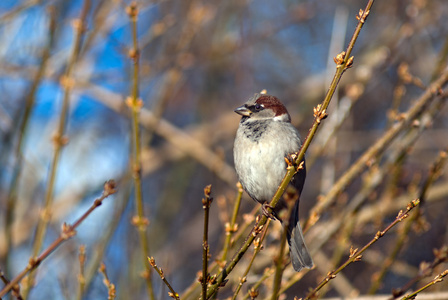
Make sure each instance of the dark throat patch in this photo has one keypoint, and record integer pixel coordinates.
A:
(253, 130)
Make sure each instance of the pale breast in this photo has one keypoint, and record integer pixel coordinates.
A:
(263, 158)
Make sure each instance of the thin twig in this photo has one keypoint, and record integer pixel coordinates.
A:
(371, 181)
(59, 139)
(434, 172)
(356, 255)
(441, 256)
(68, 231)
(442, 62)
(22, 129)
(343, 62)
(290, 199)
(257, 248)
(121, 202)
(81, 276)
(378, 148)
(260, 223)
(187, 294)
(279, 265)
(437, 279)
(232, 227)
(15, 289)
(159, 271)
(253, 292)
(135, 104)
(206, 202)
(111, 291)
(374, 178)
(335, 122)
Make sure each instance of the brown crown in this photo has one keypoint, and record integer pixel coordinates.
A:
(271, 102)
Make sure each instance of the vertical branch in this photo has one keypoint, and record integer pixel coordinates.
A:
(232, 227)
(260, 222)
(343, 62)
(280, 261)
(172, 293)
(206, 202)
(59, 139)
(111, 291)
(443, 59)
(257, 248)
(135, 104)
(187, 294)
(279, 267)
(81, 276)
(29, 104)
(434, 173)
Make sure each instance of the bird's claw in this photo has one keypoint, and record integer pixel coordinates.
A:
(264, 208)
(291, 158)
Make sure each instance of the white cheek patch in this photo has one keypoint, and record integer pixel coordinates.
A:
(281, 118)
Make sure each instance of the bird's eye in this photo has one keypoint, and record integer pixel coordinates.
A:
(258, 106)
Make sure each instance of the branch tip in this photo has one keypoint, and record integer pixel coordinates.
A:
(132, 11)
(339, 59)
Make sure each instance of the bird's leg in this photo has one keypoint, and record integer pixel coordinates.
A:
(264, 208)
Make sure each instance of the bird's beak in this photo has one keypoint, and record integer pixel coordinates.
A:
(243, 110)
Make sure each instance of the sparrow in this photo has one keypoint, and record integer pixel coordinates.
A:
(264, 138)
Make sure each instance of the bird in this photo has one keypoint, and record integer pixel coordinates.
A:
(265, 137)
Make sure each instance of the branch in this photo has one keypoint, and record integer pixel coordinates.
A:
(436, 279)
(59, 140)
(356, 255)
(232, 227)
(159, 271)
(135, 104)
(257, 248)
(343, 62)
(206, 202)
(378, 148)
(68, 231)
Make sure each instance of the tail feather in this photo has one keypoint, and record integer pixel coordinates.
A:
(300, 257)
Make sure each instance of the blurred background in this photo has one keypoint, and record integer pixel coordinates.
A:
(199, 60)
